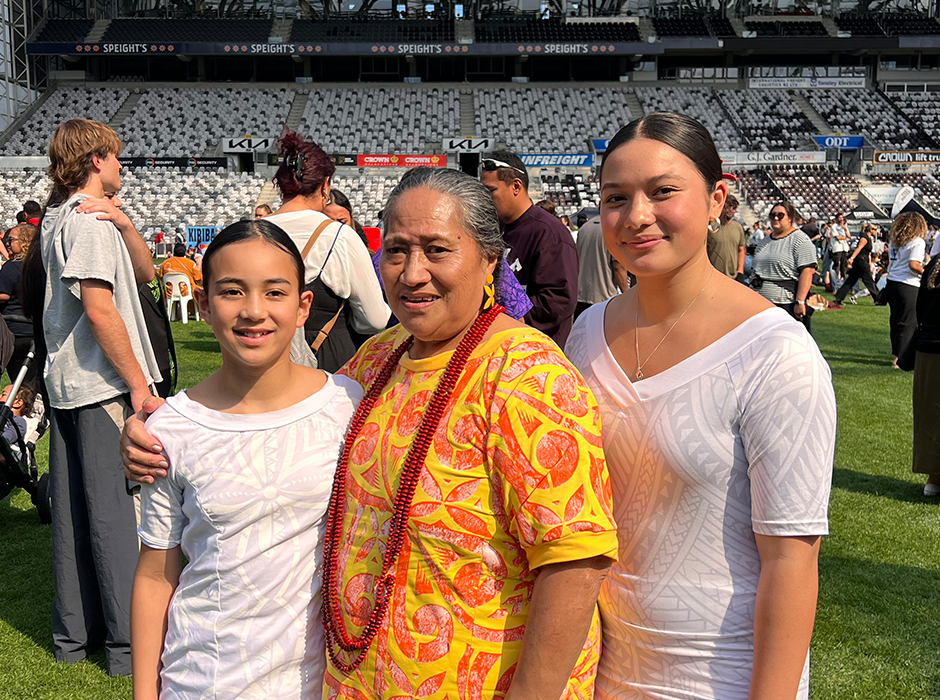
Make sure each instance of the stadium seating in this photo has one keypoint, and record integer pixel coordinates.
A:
(570, 193)
(550, 120)
(17, 186)
(164, 199)
(721, 27)
(511, 30)
(194, 30)
(922, 108)
(926, 185)
(680, 27)
(362, 30)
(905, 25)
(185, 122)
(70, 30)
(700, 103)
(759, 192)
(859, 25)
(769, 120)
(815, 191)
(866, 112)
(367, 194)
(782, 28)
(392, 120)
(68, 103)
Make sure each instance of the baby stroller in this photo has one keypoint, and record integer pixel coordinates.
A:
(18, 457)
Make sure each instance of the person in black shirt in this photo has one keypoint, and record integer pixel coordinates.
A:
(11, 303)
(859, 264)
(539, 249)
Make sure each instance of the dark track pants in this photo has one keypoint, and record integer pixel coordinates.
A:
(858, 272)
(94, 534)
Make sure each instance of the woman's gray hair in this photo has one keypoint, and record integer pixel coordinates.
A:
(476, 210)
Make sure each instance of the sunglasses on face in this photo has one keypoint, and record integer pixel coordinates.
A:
(777, 215)
(490, 164)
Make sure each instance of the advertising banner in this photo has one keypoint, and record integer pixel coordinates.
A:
(196, 235)
(408, 161)
(906, 157)
(538, 160)
(247, 144)
(174, 162)
(796, 83)
(756, 157)
(339, 49)
(845, 143)
(600, 145)
(467, 145)
(337, 158)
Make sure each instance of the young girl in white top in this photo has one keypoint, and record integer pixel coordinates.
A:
(718, 423)
(254, 449)
(907, 249)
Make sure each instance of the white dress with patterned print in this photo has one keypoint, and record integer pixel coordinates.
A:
(246, 498)
(737, 439)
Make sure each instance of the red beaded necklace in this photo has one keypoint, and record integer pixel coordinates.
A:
(336, 634)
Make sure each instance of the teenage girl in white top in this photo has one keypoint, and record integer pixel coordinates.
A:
(254, 449)
(907, 248)
(718, 423)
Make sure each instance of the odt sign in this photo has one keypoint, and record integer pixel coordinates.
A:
(845, 143)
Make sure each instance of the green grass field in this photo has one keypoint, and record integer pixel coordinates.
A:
(878, 626)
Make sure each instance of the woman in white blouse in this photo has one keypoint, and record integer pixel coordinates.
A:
(907, 249)
(347, 299)
(719, 428)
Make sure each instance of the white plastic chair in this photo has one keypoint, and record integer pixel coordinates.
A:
(177, 281)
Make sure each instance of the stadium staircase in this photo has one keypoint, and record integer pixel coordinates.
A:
(296, 112)
(815, 118)
(904, 119)
(464, 31)
(281, 29)
(124, 111)
(636, 109)
(266, 195)
(97, 31)
(830, 26)
(646, 29)
(467, 121)
(24, 117)
(738, 26)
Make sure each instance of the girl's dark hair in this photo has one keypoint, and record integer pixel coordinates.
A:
(304, 166)
(677, 131)
(341, 200)
(247, 230)
(791, 211)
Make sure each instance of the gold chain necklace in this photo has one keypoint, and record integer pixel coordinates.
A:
(636, 327)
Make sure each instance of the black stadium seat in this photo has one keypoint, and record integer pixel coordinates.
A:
(65, 30)
(187, 30)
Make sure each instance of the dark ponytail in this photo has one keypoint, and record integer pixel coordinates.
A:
(247, 230)
(304, 167)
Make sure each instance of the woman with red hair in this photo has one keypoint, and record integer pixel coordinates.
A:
(338, 269)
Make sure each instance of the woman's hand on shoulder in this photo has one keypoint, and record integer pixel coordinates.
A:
(141, 453)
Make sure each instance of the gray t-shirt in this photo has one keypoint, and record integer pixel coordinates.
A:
(78, 247)
(595, 273)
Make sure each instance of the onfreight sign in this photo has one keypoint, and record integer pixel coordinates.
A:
(196, 235)
(845, 143)
(467, 145)
(540, 160)
(175, 162)
(796, 83)
(600, 145)
(409, 161)
(247, 144)
(906, 157)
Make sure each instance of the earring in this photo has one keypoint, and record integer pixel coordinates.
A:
(713, 225)
(489, 290)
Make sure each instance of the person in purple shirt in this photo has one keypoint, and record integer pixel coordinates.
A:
(539, 248)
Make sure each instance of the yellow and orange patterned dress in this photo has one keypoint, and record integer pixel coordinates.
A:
(515, 480)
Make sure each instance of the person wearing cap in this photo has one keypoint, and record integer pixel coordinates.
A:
(540, 250)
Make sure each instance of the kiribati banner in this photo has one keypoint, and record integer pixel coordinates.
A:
(407, 161)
